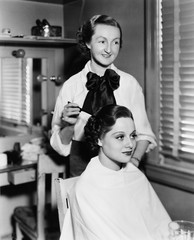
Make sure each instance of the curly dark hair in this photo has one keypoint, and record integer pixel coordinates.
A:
(86, 31)
(101, 123)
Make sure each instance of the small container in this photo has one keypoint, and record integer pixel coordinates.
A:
(46, 31)
(3, 160)
(6, 31)
(181, 230)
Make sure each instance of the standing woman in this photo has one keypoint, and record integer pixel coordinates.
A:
(99, 83)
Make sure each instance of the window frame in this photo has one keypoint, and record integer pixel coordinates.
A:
(156, 169)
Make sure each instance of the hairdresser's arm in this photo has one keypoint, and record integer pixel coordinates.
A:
(63, 123)
(66, 134)
(145, 135)
(140, 150)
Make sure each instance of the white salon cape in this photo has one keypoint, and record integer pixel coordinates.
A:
(114, 205)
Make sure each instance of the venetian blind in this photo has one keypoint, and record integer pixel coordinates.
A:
(177, 80)
(15, 104)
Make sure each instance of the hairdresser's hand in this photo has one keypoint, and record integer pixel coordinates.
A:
(70, 114)
(135, 161)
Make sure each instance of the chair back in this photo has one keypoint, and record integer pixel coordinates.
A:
(62, 188)
(47, 165)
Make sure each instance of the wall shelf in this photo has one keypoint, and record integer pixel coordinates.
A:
(61, 2)
(37, 42)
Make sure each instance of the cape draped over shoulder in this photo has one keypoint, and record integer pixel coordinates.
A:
(115, 205)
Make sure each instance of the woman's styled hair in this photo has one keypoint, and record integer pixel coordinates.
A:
(86, 31)
(101, 123)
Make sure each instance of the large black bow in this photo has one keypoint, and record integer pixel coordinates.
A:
(100, 90)
(110, 80)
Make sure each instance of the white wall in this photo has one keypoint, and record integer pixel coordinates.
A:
(20, 16)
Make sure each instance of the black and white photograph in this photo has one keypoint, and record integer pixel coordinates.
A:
(96, 119)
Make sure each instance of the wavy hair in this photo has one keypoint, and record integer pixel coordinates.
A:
(102, 122)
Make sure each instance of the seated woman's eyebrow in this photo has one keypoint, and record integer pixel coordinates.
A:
(134, 132)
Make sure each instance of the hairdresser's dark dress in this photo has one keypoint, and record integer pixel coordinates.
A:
(100, 93)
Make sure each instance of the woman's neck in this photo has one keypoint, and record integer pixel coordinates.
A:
(108, 163)
(98, 69)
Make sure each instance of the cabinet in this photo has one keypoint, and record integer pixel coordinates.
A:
(46, 60)
(51, 53)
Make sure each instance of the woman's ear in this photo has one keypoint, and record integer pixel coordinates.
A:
(99, 143)
(88, 45)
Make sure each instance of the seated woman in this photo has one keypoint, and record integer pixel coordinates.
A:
(112, 199)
